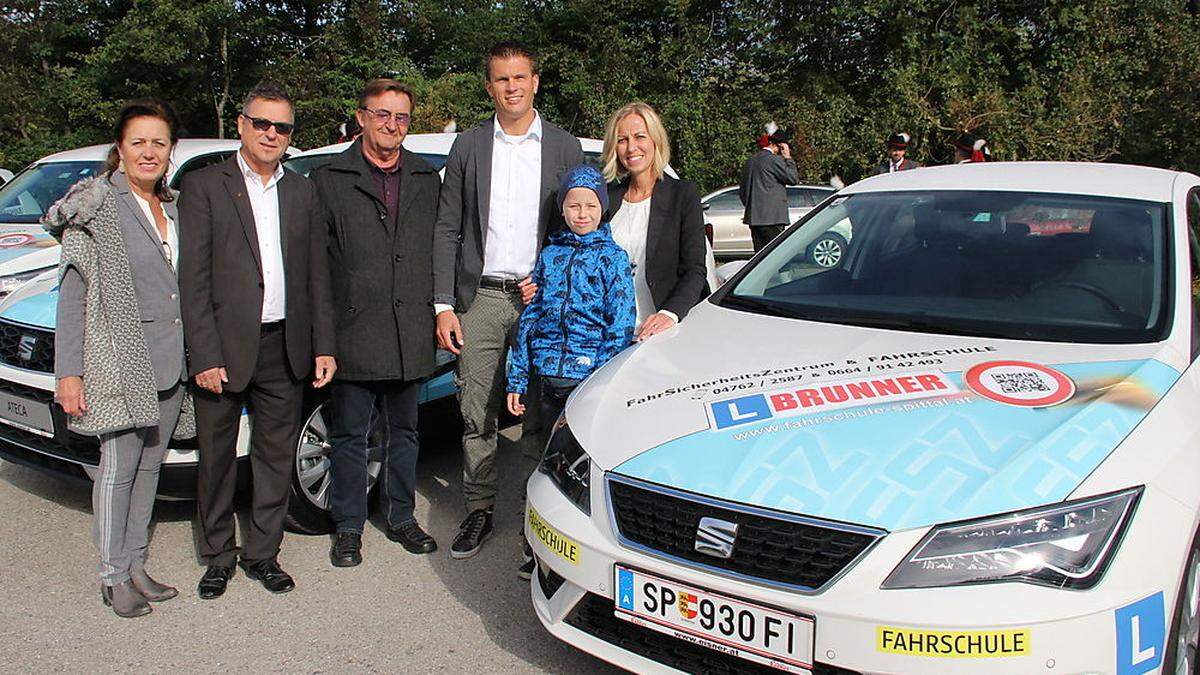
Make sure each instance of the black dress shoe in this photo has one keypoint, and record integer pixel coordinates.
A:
(346, 550)
(471, 533)
(412, 538)
(213, 583)
(270, 575)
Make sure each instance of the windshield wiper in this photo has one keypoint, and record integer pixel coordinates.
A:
(761, 306)
(915, 323)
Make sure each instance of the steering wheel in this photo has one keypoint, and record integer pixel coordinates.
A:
(1104, 295)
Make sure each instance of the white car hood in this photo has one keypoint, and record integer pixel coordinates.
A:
(926, 434)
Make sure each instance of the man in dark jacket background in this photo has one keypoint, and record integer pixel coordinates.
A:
(897, 146)
(381, 203)
(763, 189)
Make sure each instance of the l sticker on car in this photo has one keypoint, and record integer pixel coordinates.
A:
(831, 395)
(1141, 633)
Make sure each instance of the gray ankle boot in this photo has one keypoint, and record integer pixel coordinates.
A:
(149, 588)
(125, 600)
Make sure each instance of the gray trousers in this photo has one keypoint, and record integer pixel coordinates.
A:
(124, 490)
(481, 381)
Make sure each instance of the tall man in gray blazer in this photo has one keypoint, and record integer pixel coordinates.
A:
(497, 203)
(763, 189)
(257, 313)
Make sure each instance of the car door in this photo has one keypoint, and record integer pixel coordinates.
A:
(724, 212)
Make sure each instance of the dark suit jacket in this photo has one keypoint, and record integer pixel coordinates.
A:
(905, 165)
(461, 232)
(220, 273)
(382, 275)
(675, 251)
(763, 188)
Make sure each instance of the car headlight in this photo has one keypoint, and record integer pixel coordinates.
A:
(568, 466)
(1064, 546)
(12, 282)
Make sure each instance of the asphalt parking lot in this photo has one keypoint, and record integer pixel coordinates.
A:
(394, 613)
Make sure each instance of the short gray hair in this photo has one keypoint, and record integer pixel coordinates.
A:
(267, 91)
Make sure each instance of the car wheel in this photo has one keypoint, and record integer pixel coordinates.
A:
(1183, 644)
(827, 250)
(308, 509)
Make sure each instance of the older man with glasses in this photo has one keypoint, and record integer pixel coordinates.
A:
(380, 205)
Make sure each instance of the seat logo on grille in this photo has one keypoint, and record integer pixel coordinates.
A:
(716, 537)
(25, 348)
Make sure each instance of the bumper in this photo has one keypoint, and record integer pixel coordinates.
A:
(862, 629)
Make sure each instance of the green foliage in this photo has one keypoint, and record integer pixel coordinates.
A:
(1052, 79)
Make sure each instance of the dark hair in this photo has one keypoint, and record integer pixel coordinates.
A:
(507, 50)
(131, 111)
(381, 85)
(267, 91)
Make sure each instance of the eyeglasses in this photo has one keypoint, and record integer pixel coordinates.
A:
(382, 116)
(262, 124)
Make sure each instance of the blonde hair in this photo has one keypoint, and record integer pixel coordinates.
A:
(654, 126)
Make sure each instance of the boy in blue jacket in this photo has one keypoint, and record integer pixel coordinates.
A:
(584, 310)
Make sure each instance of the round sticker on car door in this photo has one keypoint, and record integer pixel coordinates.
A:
(1020, 383)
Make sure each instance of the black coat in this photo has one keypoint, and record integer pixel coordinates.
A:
(382, 275)
(675, 251)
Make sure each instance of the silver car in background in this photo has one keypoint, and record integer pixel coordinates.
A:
(730, 237)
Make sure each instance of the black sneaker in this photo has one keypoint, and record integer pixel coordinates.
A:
(525, 571)
(472, 532)
(346, 550)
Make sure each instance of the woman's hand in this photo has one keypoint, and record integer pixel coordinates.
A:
(655, 323)
(514, 404)
(69, 394)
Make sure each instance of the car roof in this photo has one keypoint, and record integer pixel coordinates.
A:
(184, 149)
(727, 188)
(1079, 178)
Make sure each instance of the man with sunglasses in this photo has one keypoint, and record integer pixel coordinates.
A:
(380, 207)
(258, 320)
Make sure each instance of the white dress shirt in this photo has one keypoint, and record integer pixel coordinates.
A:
(512, 228)
(629, 228)
(264, 202)
(171, 244)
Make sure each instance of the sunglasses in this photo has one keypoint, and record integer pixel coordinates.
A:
(261, 124)
(382, 116)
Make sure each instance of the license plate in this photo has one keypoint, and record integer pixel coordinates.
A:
(26, 414)
(735, 627)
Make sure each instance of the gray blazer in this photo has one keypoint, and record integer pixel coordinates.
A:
(154, 285)
(763, 189)
(461, 232)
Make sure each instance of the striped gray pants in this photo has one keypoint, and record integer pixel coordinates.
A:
(124, 489)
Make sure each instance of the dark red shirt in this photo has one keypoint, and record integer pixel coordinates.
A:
(388, 184)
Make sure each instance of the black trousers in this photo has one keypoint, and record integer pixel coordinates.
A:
(276, 399)
(762, 235)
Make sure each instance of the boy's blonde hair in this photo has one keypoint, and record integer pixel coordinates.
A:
(654, 126)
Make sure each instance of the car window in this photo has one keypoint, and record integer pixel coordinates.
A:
(27, 196)
(726, 201)
(798, 198)
(816, 196)
(1026, 266)
(199, 162)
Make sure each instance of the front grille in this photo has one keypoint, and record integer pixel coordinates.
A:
(594, 616)
(782, 550)
(27, 347)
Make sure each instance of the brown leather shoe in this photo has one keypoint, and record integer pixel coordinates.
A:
(149, 588)
(125, 600)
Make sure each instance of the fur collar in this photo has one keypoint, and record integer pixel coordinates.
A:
(78, 207)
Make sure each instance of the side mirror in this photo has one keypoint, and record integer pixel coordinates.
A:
(705, 207)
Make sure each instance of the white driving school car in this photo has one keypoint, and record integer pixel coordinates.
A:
(969, 447)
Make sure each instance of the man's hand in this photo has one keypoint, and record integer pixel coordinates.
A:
(514, 404)
(449, 333)
(69, 394)
(655, 323)
(528, 290)
(785, 150)
(212, 379)
(326, 366)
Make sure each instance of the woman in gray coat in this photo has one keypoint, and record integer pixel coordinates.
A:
(119, 359)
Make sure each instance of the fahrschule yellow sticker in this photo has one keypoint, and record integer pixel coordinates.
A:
(965, 644)
(553, 539)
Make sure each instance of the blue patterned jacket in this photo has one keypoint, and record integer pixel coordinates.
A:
(583, 312)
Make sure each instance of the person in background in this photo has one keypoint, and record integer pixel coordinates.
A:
(259, 322)
(497, 202)
(655, 218)
(763, 189)
(118, 346)
(897, 146)
(380, 205)
(969, 148)
(584, 310)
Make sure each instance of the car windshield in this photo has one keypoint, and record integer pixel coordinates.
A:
(31, 192)
(1001, 264)
(309, 163)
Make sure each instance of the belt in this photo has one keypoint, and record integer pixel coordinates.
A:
(271, 327)
(500, 284)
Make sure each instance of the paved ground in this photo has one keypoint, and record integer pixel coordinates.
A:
(394, 613)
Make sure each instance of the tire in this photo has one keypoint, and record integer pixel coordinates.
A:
(1182, 648)
(308, 508)
(827, 251)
